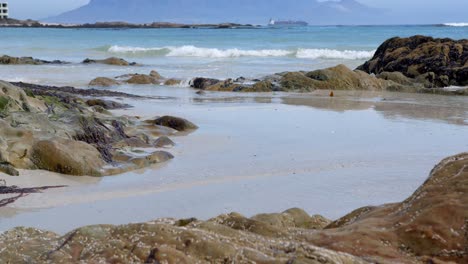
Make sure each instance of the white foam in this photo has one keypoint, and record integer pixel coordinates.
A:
(334, 54)
(193, 51)
(456, 24)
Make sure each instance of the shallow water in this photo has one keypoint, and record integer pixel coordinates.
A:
(251, 156)
(187, 53)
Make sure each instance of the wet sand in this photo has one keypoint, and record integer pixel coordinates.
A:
(261, 153)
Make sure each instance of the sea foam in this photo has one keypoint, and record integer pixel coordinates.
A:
(193, 51)
(456, 24)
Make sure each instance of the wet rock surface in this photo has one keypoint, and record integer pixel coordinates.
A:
(70, 131)
(435, 62)
(428, 227)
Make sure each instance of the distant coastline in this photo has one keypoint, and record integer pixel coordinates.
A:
(29, 23)
(16, 23)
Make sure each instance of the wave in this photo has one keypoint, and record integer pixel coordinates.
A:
(455, 24)
(192, 51)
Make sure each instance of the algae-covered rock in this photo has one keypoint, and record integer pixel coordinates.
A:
(445, 59)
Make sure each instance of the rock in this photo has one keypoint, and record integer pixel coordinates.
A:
(111, 61)
(176, 123)
(203, 83)
(172, 82)
(142, 79)
(226, 239)
(155, 75)
(26, 60)
(8, 169)
(106, 104)
(429, 226)
(154, 158)
(296, 81)
(396, 77)
(103, 82)
(261, 86)
(445, 59)
(293, 218)
(67, 157)
(164, 142)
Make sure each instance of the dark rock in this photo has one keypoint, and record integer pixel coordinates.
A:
(203, 83)
(106, 104)
(176, 123)
(442, 61)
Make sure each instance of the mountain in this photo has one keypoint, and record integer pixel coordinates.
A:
(218, 11)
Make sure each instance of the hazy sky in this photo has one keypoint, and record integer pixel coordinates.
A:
(418, 10)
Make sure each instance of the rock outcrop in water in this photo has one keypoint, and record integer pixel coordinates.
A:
(431, 226)
(154, 78)
(54, 129)
(433, 62)
(8, 60)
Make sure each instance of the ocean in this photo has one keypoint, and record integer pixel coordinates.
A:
(187, 53)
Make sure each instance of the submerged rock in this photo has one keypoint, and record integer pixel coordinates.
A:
(444, 62)
(111, 61)
(176, 123)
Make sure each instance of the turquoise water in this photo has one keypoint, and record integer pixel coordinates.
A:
(187, 53)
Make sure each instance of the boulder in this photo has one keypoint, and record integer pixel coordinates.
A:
(67, 157)
(155, 75)
(163, 142)
(172, 82)
(142, 79)
(111, 61)
(445, 59)
(297, 81)
(176, 123)
(103, 82)
(203, 83)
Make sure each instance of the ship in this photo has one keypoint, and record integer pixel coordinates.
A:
(287, 23)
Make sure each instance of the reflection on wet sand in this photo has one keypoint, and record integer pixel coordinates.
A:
(449, 109)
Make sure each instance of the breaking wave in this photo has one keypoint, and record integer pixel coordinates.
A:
(455, 24)
(192, 51)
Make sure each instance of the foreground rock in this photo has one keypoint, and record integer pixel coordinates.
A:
(433, 62)
(52, 128)
(428, 227)
(8, 60)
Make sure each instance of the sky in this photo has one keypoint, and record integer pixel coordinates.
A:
(416, 10)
